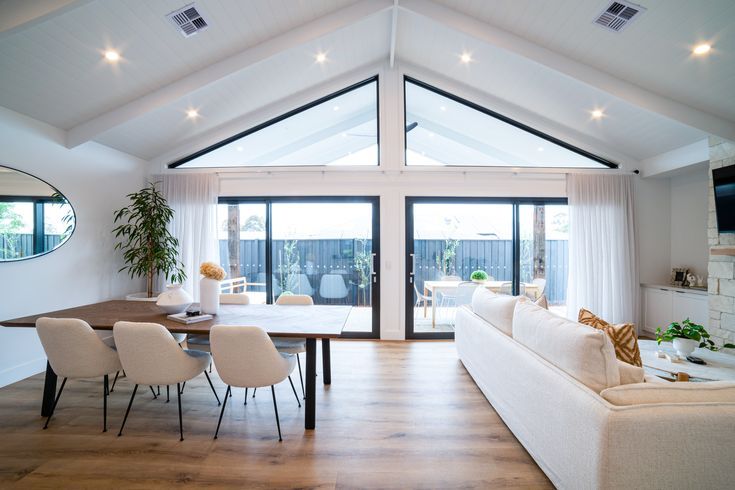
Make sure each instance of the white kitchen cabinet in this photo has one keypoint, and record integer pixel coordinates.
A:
(663, 305)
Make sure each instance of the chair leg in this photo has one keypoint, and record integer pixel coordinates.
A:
(125, 419)
(294, 391)
(182, 387)
(254, 390)
(168, 396)
(154, 392)
(55, 402)
(246, 397)
(301, 376)
(212, 386)
(114, 381)
(222, 412)
(181, 423)
(105, 394)
(275, 408)
(159, 390)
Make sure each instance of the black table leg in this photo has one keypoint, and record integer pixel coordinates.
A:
(326, 362)
(310, 412)
(49, 391)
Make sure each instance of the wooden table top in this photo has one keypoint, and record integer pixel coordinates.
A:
(318, 321)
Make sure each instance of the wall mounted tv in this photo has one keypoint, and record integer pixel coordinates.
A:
(724, 183)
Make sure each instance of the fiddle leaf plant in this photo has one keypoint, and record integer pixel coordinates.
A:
(689, 330)
(148, 247)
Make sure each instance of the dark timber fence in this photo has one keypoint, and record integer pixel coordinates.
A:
(17, 246)
(319, 257)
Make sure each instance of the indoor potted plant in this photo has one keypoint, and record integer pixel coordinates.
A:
(687, 336)
(479, 276)
(148, 247)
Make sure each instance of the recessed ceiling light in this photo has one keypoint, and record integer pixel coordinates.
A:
(239, 148)
(597, 114)
(320, 57)
(192, 114)
(465, 57)
(442, 108)
(335, 108)
(701, 49)
(540, 148)
(112, 56)
(344, 135)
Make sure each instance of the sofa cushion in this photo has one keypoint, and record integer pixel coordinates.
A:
(622, 335)
(644, 393)
(496, 309)
(583, 352)
(630, 374)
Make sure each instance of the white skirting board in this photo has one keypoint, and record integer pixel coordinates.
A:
(22, 371)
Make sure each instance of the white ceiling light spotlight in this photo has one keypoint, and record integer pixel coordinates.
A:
(701, 49)
(320, 57)
(466, 58)
(335, 108)
(192, 114)
(443, 108)
(112, 56)
(597, 114)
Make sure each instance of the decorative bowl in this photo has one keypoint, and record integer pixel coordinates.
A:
(174, 300)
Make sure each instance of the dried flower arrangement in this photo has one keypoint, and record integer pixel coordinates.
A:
(211, 270)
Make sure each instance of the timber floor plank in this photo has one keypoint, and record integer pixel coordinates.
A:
(397, 415)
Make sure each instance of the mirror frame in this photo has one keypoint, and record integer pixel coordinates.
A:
(74, 211)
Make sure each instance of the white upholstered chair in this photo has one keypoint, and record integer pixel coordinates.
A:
(201, 342)
(540, 283)
(150, 356)
(75, 351)
(245, 357)
(332, 286)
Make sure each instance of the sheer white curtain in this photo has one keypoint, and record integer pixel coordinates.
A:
(603, 269)
(193, 198)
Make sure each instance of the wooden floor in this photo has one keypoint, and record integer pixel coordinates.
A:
(397, 415)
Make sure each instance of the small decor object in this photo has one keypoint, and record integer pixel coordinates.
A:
(687, 336)
(679, 276)
(175, 300)
(691, 280)
(184, 318)
(479, 276)
(147, 245)
(209, 287)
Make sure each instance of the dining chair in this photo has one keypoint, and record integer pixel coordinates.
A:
(332, 286)
(299, 284)
(540, 283)
(75, 351)
(507, 288)
(150, 356)
(463, 295)
(245, 357)
(421, 298)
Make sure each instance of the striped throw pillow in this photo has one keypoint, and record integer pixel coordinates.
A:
(623, 336)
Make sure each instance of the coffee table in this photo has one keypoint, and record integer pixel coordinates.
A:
(720, 366)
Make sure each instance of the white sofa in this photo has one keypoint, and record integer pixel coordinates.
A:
(576, 436)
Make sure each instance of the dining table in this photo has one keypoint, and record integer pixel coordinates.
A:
(435, 287)
(310, 322)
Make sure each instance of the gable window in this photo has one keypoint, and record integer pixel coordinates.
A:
(445, 130)
(340, 129)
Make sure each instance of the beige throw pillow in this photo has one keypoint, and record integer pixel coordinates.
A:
(622, 335)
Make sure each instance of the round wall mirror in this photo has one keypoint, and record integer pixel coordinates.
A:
(35, 218)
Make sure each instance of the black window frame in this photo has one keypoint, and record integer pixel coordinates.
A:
(39, 231)
(515, 202)
(489, 112)
(376, 78)
(268, 201)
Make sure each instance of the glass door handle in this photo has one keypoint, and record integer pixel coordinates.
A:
(373, 272)
(410, 273)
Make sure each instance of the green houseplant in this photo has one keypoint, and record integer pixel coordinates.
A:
(148, 247)
(479, 276)
(687, 336)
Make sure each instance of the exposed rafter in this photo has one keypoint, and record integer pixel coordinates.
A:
(622, 89)
(393, 32)
(305, 33)
(16, 15)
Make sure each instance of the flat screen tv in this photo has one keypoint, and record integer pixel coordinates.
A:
(724, 183)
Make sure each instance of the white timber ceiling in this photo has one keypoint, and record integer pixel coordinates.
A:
(546, 58)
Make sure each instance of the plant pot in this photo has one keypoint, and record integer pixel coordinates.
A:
(479, 281)
(174, 300)
(141, 297)
(209, 296)
(685, 347)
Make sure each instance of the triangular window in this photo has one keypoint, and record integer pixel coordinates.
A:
(445, 130)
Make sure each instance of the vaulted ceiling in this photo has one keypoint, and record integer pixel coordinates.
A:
(545, 58)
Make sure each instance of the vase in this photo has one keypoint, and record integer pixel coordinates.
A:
(685, 347)
(209, 296)
(174, 300)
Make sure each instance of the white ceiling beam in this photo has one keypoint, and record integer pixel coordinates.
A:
(293, 38)
(188, 146)
(622, 89)
(17, 15)
(393, 32)
(676, 159)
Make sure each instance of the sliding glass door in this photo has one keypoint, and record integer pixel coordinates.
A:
(326, 248)
(518, 246)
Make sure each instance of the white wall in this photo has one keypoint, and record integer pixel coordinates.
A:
(95, 180)
(653, 229)
(689, 215)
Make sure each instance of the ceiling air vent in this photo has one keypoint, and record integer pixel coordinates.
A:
(188, 20)
(618, 14)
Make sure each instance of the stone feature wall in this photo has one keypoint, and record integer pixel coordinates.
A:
(721, 267)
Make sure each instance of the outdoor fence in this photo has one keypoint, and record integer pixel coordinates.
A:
(19, 245)
(319, 257)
